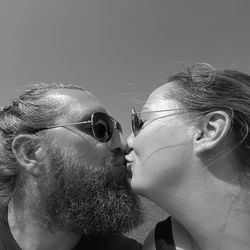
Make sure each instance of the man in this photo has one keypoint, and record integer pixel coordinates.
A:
(63, 174)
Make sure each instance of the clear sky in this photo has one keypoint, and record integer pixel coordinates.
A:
(120, 50)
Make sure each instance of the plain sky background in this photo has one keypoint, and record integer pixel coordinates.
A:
(120, 50)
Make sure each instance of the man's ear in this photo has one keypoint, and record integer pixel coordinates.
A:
(212, 129)
(26, 151)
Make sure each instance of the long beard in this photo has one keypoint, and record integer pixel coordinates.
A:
(91, 200)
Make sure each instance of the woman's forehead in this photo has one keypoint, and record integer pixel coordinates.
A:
(161, 98)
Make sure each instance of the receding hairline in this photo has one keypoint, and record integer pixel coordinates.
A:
(68, 101)
(65, 96)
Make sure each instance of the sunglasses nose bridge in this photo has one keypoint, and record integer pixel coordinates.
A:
(117, 126)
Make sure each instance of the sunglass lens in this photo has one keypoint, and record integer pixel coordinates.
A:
(102, 127)
(135, 120)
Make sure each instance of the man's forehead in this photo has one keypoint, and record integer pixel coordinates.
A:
(76, 103)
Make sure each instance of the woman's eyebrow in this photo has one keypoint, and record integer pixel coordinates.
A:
(85, 117)
(144, 110)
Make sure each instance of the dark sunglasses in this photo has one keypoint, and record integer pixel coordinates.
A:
(137, 122)
(101, 126)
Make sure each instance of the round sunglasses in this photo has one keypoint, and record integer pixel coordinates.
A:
(100, 126)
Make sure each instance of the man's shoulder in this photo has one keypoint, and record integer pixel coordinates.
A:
(117, 241)
(114, 241)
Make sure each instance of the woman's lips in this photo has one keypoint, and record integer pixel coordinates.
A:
(129, 165)
(129, 172)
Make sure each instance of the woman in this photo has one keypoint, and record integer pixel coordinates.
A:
(190, 154)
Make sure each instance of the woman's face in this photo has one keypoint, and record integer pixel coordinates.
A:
(162, 150)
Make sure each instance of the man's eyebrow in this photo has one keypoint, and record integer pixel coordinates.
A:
(86, 116)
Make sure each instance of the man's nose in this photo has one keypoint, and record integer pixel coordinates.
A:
(118, 141)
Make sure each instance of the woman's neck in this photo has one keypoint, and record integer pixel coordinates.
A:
(214, 220)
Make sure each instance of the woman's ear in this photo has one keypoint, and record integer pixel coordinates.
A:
(212, 129)
(25, 150)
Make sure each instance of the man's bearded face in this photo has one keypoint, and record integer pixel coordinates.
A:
(91, 200)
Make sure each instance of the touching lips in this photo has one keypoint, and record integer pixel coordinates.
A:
(120, 163)
(129, 167)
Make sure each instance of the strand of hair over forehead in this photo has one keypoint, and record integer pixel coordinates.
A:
(202, 75)
(206, 73)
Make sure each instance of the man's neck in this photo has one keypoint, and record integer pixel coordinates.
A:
(30, 232)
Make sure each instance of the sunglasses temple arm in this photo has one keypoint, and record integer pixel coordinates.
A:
(67, 124)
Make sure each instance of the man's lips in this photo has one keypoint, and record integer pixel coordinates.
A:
(118, 161)
(118, 158)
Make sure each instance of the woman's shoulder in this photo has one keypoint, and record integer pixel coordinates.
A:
(182, 238)
(168, 234)
(160, 238)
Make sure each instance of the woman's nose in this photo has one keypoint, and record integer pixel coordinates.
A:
(130, 141)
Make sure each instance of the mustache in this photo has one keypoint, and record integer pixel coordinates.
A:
(118, 157)
(116, 173)
(117, 161)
